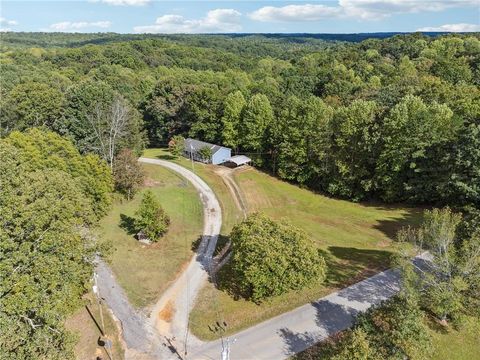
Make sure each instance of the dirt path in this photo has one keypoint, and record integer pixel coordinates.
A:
(227, 176)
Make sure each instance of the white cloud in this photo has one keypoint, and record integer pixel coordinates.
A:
(75, 26)
(218, 20)
(7, 22)
(124, 2)
(375, 9)
(453, 28)
(359, 9)
(307, 12)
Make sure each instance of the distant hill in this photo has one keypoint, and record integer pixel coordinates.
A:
(39, 39)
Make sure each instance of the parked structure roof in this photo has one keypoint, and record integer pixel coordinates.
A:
(239, 159)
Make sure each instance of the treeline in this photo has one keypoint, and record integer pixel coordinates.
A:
(51, 197)
(395, 119)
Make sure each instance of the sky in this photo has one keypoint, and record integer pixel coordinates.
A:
(202, 16)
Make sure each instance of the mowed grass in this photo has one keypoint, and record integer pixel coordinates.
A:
(84, 325)
(356, 240)
(145, 271)
(230, 214)
(462, 344)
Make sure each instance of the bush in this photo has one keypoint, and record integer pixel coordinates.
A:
(271, 258)
(151, 218)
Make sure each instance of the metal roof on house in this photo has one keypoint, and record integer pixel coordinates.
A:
(196, 145)
(239, 159)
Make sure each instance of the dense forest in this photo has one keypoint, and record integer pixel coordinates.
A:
(394, 119)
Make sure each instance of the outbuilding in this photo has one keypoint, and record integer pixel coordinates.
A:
(238, 160)
(196, 150)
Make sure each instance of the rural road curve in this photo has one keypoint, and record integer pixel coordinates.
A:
(292, 332)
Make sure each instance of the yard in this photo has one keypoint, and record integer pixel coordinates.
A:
(145, 271)
(356, 240)
(230, 214)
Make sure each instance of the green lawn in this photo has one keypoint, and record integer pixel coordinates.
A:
(463, 344)
(356, 239)
(144, 271)
(230, 214)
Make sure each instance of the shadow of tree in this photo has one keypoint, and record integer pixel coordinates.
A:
(296, 342)
(332, 318)
(127, 223)
(166, 157)
(345, 266)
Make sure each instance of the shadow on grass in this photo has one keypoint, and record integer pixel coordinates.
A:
(127, 223)
(167, 157)
(347, 265)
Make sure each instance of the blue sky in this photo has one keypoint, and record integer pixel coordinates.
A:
(200, 16)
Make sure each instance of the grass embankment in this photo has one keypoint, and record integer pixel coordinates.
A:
(144, 271)
(230, 213)
(356, 239)
(82, 324)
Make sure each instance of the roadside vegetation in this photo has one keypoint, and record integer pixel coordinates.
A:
(438, 301)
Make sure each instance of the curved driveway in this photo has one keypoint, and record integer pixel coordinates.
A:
(180, 296)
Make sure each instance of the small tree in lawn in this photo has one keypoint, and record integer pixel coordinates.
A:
(151, 218)
(176, 145)
(205, 153)
(127, 173)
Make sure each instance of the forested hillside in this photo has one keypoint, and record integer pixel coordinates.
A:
(394, 119)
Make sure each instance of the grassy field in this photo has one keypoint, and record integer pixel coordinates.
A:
(144, 271)
(230, 214)
(83, 325)
(451, 344)
(356, 240)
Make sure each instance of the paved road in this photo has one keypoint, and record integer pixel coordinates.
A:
(297, 330)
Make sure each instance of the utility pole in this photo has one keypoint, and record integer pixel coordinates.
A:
(106, 342)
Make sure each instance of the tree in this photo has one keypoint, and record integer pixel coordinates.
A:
(46, 255)
(48, 150)
(205, 153)
(257, 116)
(411, 128)
(232, 113)
(176, 145)
(271, 258)
(101, 121)
(395, 329)
(355, 132)
(355, 345)
(127, 173)
(443, 283)
(151, 218)
(32, 104)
